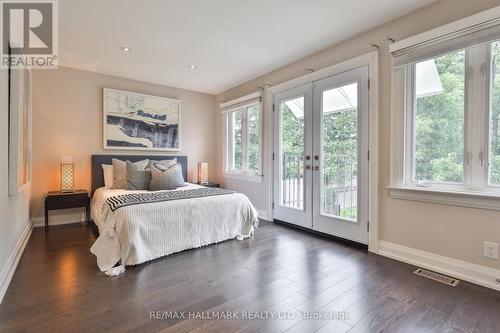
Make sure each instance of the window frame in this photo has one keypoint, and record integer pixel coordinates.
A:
(477, 109)
(483, 27)
(244, 173)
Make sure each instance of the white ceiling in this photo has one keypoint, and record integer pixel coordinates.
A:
(230, 41)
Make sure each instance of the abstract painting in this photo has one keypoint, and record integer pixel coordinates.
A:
(140, 122)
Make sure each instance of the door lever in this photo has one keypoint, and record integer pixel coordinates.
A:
(316, 168)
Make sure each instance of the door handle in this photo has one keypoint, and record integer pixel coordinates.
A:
(316, 168)
(308, 167)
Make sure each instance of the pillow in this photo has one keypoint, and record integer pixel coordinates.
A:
(163, 178)
(107, 170)
(120, 172)
(137, 178)
(166, 163)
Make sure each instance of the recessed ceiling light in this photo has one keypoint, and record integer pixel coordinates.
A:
(126, 49)
(192, 66)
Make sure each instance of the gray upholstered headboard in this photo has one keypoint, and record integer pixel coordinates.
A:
(97, 160)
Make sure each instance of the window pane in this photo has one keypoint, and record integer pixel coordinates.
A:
(439, 119)
(495, 115)
(253, 138)
(292, 150)
(237, 139)
(339, 189)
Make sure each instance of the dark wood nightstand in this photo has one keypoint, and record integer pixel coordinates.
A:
(210, 184)
(59, 200)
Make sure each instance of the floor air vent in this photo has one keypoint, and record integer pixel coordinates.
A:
(437, 277)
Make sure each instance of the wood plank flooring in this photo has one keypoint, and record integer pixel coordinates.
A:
(280, 271)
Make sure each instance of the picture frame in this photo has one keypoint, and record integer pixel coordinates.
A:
(135, 121)
(20, 129)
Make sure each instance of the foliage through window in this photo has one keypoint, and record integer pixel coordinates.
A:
(292, 150)
(439, 119)
(243, 140)
(453, 119)
(237, 140)
(340, 154)
(494, 174)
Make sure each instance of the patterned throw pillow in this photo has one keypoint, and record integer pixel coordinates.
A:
(166, 163)
(137, 178)
(166, 178)
(120, 172)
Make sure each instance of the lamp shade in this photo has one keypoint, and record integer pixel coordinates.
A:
(67, 175)
(203, 172)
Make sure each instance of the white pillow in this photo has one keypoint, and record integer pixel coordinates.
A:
(107, 170)
(120, 172)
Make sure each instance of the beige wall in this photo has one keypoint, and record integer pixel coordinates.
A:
(450, 231)
(68, 119)
(14, 217)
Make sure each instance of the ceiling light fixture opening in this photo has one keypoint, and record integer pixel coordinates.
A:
(192, 66)
(126, 49)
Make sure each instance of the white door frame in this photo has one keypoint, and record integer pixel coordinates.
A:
(370, 60)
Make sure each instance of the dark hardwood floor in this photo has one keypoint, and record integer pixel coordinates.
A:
(58, 288)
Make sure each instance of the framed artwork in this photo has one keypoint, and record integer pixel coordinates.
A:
(19, 129)
(135, 121)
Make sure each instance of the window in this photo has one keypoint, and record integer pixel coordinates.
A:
(236, 154)
(452, 139)
(494, 139)
(438, 119)
(243, 139)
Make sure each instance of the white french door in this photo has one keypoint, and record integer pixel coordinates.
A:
(293, 147)
(321, 155)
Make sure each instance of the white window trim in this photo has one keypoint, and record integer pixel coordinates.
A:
(227, 109)
(472, 199)
(465, 195)
(243, 176)
(447, 29)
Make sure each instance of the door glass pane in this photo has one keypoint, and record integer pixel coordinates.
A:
(439, 119)
(237, 139)
(253, 138)
(495, 115)
(339, 188)
(292, 153)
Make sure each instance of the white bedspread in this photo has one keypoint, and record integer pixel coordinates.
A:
(138, 233)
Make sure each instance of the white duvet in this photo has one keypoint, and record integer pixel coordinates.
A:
(138, 233)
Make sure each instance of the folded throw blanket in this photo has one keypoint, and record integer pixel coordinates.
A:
(124, 200)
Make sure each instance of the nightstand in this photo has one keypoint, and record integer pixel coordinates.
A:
(59, 200)
(210, 184)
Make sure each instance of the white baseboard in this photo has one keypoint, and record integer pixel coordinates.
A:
(263, 215)
(59, 219)
(10, 266)
(481, 275)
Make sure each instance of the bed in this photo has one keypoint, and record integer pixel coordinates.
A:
(137, 233)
